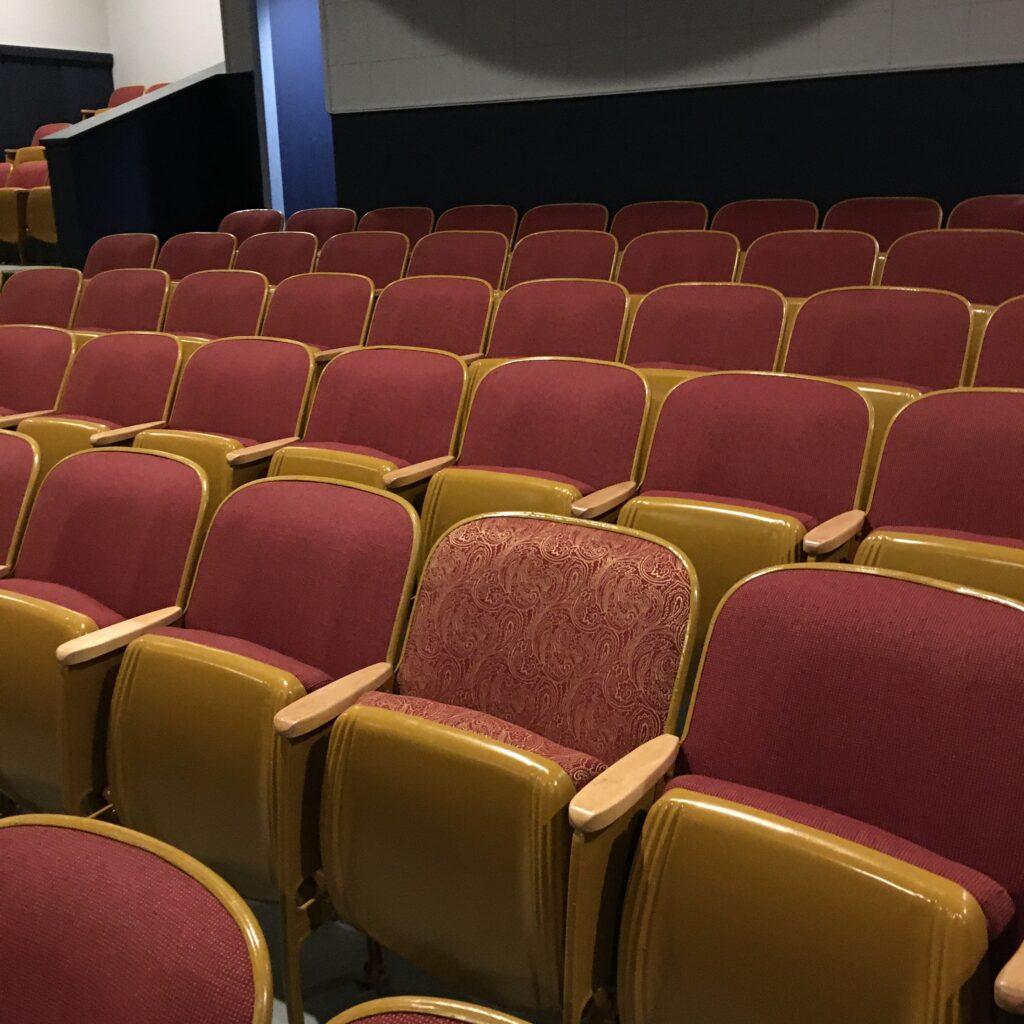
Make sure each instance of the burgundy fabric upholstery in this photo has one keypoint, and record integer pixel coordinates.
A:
(67, 597)
(122, 300)
(277, 254)
(322, 310)
(559, 318)
(749, 219)
(664, 215)
(93, 929)
(985, 267)
(124, 94)
(916, 338)
(48, 129)
(564, 217)
(581, 768)
(194, 251)
(800, 263)
(133, 250)
(245, 223)
(954, 461)
(217, 304)
(1001, 362)
(543, 254)
(668, 257)
(402, 1017)
(808, 522)
(448, 313)
(989, 212)
(885, 217)
(115, 525)
(461, 253)
(899, 700)
(312, 570)
(378, 255)
(122, 378)
(994, 900)
(571, 632)
(16, 464)
(324, 222)
(41, 295)
(33, 361)
(480, 217)
(792, 443)
(412, 221)
(576, 419)
(722, 326)
(250, 388)
(400, 401)
(32, 174)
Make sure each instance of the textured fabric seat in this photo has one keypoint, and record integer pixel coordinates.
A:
(563, 217)
(661, 215)
(323, 310)
(480, 217)
(217, 304)
(195, 251)
(66, 597)
(325, 222)
(562, 254)
(245, 223)
(378, 255)
(669, 257)
(1001, 360)
(749, 219)
(122, 300)
(277, 254)
(412, 221)
(129, 251)
(885, 217)
(33, 363)
(1004, 212)
(462, 254)
(40, 295)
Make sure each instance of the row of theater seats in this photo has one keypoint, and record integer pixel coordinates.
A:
(468, 787)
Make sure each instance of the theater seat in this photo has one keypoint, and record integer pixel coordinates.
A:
(41, 295)
(535, 688)
(40, 220)
(325, 311)
(14, 202)
(462, 254)
(664, 215)
(873, 856)
(885, 217)
(121, 95)
(563, 217)
(245, 223)
(670, 257)
(1006, 211)
(121, 300)
(134, 250)
(19, 475)
(300, 582)
(216, 304)
(800, 263)
(749, 219)
(277, 254)
(563, 253)
(480, 217)
(115, 904)
(194, 251)
(423, 1010)
(378, 255)
(325, 222)
(1001, 360)
(33, 364)
(412, 221)
(107, 551)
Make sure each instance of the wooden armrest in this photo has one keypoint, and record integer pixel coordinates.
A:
(16, 417)
(598, 502)
(622, 784)
(834, 532)
(111, 638)
(471, 357)
(255, 452)
(118, 434)
(1010, 984)
(86, 112)
(327, 354)
(10, 154)
(308, 713)
(417, 471)
(5, 571)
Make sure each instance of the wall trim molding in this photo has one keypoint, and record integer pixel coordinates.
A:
(41, 55)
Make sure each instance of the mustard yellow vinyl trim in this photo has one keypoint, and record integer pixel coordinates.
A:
(31, 487)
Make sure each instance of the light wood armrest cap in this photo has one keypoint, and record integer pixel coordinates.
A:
(16, 417)
(5, 571)
(327, 354)
(471, 357)
(417, 471)
(1010, 984)
(622, 784)
(308, 713)
(255, 452)
(118, 434)
(834, 532)
(111, 638)
(598, 502)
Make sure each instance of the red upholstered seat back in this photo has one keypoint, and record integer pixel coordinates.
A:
(123, 300)
(378, 255)
(569, 417)
(1001, 362)
(252, 388)
(564, 217)
(668, 257)
(323, 310)
(32, 174)
(989, 212)
(122, 378)
(480, 217)
(955, 460)
(402, 401)
(800, 263)
(461, 253)
(33, 361)
(721, 326)
(324, 222)
(664, 215)
(448, 313)
(786, 441)
(132, 250)
(277, 254)
(41, 295)
(48, 129)
(560, 318)
(91, 927)
(217, 304)
(314, 570)
(909, 336)
(570, 631)
(872, 697)
(985, 267)
(885, 217)
(116, 525)
(749, 219)
(545, 254)
(245, 223)
(124, 94)
(194, 251)
(412, 221)
(18, 465)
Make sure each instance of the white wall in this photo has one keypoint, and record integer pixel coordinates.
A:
(398, 53)
(56, 24)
